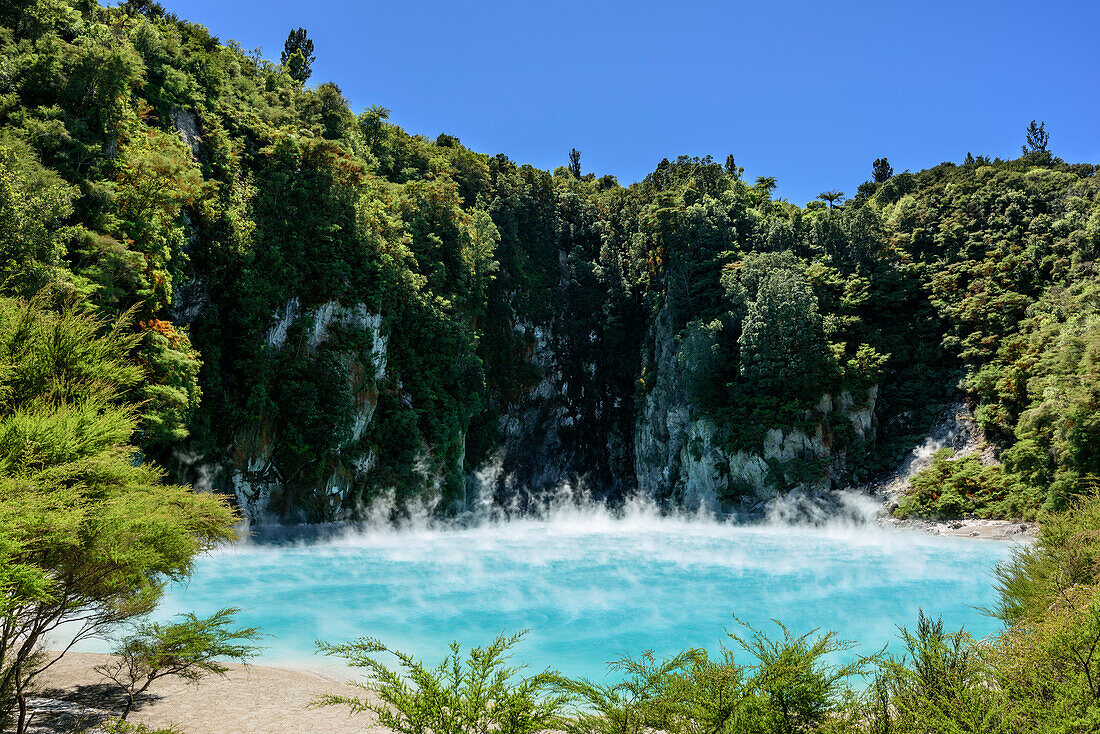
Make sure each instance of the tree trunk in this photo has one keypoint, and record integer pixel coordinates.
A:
(24, 721)
(129, 705)
(131, 697)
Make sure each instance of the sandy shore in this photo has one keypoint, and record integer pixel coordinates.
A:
(253, 699)
(969, 528)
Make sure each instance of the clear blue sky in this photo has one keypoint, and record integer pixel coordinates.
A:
(808, 92)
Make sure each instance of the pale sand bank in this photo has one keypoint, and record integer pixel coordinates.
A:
(1018, 530)
(253, 699)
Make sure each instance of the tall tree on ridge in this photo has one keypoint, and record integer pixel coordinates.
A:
(733, 169)
(883, 171)
(297, 55)
(1037, 138)
(575, 163)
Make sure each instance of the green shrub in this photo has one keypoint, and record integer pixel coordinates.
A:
(125, 727)
(191, 649)
(478, 694)
(792, 686)
(942, 683)
(961, 487)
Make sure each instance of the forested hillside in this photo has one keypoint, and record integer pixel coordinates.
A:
(333, 311)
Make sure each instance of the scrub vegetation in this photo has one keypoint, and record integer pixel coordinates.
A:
(208, 266)
(152, 169)
(89, 533)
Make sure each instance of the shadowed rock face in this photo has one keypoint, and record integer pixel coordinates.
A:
(254, 474)
(679, 453)
(550, 439)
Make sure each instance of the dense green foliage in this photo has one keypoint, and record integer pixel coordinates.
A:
(89, 533)
(258, 227)
(476, 695)
(790, 687)
(1040, 674)
(954, 486)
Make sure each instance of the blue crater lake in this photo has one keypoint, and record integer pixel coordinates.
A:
(589, 585)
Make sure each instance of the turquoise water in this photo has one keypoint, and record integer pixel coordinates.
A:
(589, 586)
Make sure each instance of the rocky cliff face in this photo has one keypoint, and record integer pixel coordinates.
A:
(532, 458)
(557, 436)
(255, 476)
(674, 454)
(680, 455)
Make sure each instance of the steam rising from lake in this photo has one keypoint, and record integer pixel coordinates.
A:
(590, 584)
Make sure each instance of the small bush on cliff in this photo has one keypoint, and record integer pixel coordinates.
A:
(961, 487)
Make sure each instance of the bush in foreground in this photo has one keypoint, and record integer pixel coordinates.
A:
(479, 693)
(792, 687)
